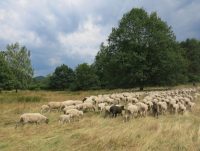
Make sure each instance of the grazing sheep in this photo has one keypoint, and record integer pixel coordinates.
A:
(75, 113)
(79, 106)
(54, 105)
(36, 118)
(44, 108)
(114, 110)
(88, 106)
(69, 107)
(162, 107)
(175, 108)
(66, 103)
(190, 105)
(107, 110)
(101, 107)
(142, 108)
(182, 108)
(133, 110)
(65, 118)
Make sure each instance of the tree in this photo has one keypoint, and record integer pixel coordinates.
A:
(19, 62)
(85, 78)
(6, 78)
(62, 78)
(192, 54)
(141, 51)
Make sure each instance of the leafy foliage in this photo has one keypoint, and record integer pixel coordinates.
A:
(19, 64)
(141, 51)
(6, 77)
(85, 78)
(192, 54)
(62, 77)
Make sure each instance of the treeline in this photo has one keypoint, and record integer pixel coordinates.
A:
(141, 51)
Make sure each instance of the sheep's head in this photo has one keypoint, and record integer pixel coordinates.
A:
(47, 121)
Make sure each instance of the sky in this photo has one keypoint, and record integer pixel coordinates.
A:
(71, 31)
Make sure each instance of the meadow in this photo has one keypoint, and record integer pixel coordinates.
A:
(93, 132)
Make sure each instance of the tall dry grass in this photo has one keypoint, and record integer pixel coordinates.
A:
(93, 132)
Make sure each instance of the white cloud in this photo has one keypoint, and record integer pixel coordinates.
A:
(54, 61)
(85, 41)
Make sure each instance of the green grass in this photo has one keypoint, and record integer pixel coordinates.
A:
(93, 132)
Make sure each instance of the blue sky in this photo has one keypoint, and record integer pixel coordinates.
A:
(70, 31)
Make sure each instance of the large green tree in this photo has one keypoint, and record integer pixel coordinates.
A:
(141, 51)
(62, 78)
(85, 78)
(192, 54)
(19, 62)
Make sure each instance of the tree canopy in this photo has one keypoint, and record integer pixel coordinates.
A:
(62, 77)
(85, 78)
(192, 54)
(19, 63)
(141, 51)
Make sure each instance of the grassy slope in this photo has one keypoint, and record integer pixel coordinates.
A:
(94, 132)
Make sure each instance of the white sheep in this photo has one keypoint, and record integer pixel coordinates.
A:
(142, 108)
(75, 113)
(88, 106)
(182, 108)
(133, 110)
(162, 107)
(54, 105)
(65, 118)
(36, 118)
(101, 106)
(44, 108)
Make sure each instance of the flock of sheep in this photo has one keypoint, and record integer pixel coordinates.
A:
(128, 104)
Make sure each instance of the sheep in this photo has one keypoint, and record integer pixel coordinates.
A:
(76, 102)
(101, 106)
(114, 110)
(190, 105)
(175, 108)
(75, 113)
(66, 103)
(65, 118)
(133, 110)
(44, 108)
(142, 108)
(132, 100)
(54, 105)
(79, 106)
(36, 118)
(107, 110)
(182, 108)
(69, 107)
(88, 106)
(162, 107)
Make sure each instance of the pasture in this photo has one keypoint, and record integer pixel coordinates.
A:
(93, 132)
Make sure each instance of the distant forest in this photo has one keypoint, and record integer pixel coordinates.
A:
(142, 51)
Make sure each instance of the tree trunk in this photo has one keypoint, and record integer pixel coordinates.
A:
(16, 90)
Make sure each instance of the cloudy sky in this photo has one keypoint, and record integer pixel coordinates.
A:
(70, 31)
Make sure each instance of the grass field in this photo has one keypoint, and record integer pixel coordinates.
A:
(93, 132)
